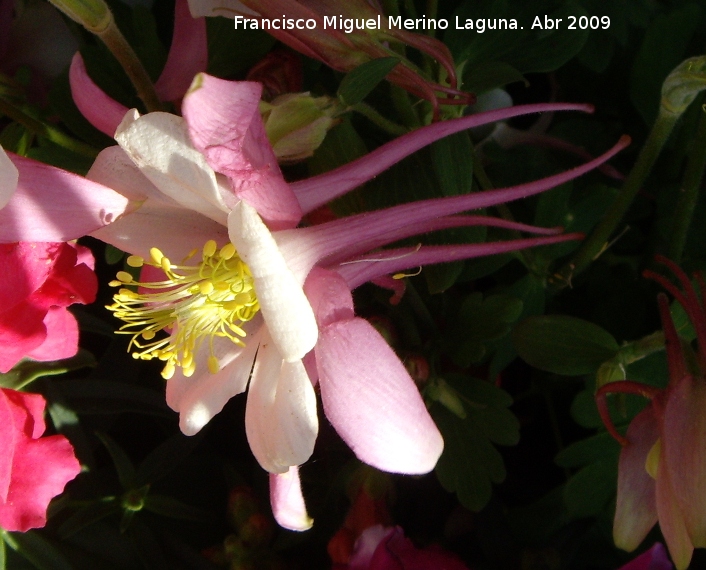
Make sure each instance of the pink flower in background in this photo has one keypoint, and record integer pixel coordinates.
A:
(386, 548)
(33, 469)
(653, 559)
(662, 466)
(38, 281)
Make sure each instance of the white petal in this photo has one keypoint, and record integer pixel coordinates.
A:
(159, 144)
(280, 417)
(8, 178)
(284, 306)
(199, 398)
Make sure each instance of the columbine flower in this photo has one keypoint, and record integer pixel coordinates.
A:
(662, 469)
(344, 51)
(33, 469)
(225, 271)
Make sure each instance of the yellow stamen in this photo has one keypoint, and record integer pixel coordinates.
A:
(212, 298)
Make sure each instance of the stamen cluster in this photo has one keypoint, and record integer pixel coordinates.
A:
(213, 298)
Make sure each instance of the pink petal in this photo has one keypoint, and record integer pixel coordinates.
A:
(281, 422)
(40, 471)
(653, 559)
(225, 125)
(367, 394)
(54, 205)
(61, 338)
(318, 190)
(396, 552)
(40, 467)
(636, 509)
(287, 501)
(21, 331)
(684, 449)
(103, 112)
(188, 54)
(23, 268)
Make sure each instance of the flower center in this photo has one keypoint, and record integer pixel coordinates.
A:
(194, 303)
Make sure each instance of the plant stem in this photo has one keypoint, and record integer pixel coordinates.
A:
(689, 192)
(404, 108)
(123, 52)
(597, 241)
(43, 130)
(385, 124)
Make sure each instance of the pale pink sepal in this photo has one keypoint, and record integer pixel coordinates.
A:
(318, 190)
(684, 451)
(653, 559)
(225, 125)
(636, 509)
(367, 394)
(52, 205)
(102, 111)
(287, 501)
(188, 54)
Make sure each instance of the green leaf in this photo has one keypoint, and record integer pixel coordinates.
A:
(39, 551)
(563, 345)
(123, 465)
(2, 555)
(470, 463)
(595, 448)
(452, 158)
(165, 458)
(86, 516)
(232, 52)
(589, 491)
(175, 509)
(479, 322)
(359, 82)
(27, 371)
(489, 75)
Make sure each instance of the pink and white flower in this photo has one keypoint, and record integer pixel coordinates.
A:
(209, 183)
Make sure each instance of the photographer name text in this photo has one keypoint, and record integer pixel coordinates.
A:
(479, 25)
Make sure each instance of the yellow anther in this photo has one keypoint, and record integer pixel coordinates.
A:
(115, 283)
(209, 248)
(168, 371)
(156, 255)
(194, 304)
(135, 261)
(227, 251)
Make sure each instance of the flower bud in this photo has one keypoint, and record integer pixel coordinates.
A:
(297, 123)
